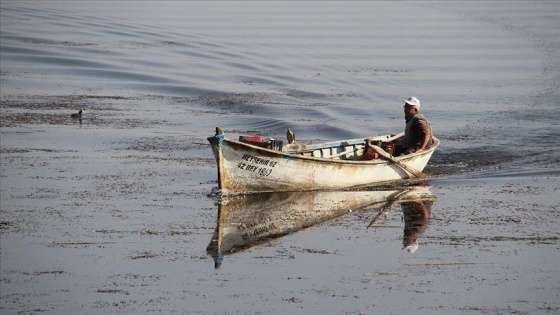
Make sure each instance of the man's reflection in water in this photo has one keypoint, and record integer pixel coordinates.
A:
(416, 217)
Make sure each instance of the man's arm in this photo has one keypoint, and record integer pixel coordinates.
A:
(427, 134)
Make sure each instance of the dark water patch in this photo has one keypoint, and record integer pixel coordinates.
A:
(26, 150)
(448, 161)
(98, 111)
(459, 137)
(260, 80)
(122, 75)
(39, 102)
(303, 94)
(15, 50)
(15, 38)
(161, 144)
(271, 125)
(229, 101)
(185, 89)
(469, 240)
(514, 172)
(242, 66)
(11, 120)
(57, 61)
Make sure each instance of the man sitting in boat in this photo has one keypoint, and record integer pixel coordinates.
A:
(417, 133)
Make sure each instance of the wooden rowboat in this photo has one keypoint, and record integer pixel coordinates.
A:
(247, 167)
(245, 221)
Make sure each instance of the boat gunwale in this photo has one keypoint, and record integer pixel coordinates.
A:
(318, 146)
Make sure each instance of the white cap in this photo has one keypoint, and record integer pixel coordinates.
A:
(412, 247)
(412, 101)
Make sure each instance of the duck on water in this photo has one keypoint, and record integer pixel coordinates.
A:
(77, 115)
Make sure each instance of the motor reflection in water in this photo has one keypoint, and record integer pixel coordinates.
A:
(248, 220)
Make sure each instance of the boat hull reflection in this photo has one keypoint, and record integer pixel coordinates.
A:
(245, 221)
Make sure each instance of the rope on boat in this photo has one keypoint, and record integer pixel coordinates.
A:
(220, 137)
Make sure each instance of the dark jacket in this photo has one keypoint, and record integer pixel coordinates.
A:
(414, 133)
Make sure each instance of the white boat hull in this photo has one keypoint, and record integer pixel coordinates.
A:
(246, 168)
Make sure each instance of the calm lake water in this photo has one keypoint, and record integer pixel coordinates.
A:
(486, 72)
